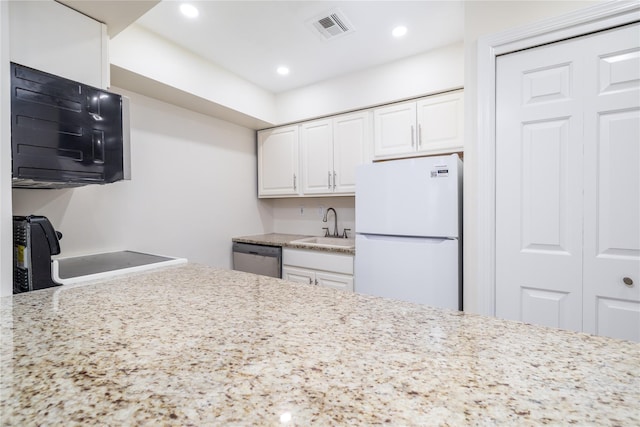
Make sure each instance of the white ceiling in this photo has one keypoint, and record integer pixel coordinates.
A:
(252, 38)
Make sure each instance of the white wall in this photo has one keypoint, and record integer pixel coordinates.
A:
(430, 72)
(485, 18)
(193, 188)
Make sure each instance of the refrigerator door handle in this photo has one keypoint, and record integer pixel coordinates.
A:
(434, 240)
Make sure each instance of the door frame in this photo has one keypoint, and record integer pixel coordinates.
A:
(596, 18)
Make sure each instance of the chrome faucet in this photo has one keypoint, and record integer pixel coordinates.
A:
(335, 222)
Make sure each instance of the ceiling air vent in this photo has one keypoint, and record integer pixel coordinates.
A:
(332, 24)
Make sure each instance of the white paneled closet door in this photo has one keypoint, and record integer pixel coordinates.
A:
(567, 184)
(539, 187)
(612, 184)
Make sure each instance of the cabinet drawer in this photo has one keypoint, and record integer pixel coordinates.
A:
(338, 263)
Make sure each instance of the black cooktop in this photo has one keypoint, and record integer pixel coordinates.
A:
(100, 263)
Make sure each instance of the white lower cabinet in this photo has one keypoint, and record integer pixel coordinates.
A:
(318, 268)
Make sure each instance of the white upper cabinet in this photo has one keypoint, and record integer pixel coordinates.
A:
(441, 123)
(394, 130)
(351, 139)
(278, 166)
(53, 38)
(316, 143)
(331, 149)
(432, 125)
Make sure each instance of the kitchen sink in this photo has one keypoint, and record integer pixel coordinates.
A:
(327, 242)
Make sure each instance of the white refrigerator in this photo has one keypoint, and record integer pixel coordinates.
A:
(408, 230)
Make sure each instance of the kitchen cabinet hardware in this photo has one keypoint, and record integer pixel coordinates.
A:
(413, 137)
(329, 180)
(628, 281)
(295, 187)
(334, 180)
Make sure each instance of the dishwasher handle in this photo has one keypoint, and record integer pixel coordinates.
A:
(253, 249)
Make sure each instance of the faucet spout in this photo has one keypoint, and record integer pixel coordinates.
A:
(335, 220)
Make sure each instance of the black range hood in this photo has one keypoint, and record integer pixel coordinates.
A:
(65, 133)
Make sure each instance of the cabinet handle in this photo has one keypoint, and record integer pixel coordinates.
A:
(329, 180)
(419, 135)
(295, 187)
(628, 281)
(413, 139)
(334, 180)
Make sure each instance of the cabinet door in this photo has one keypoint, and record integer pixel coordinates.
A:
(300, 275)
(336, 281)
(612, 185)
(54, 38)
(350, 138)
(441, 123)
(278, 170)
(316, 144)
(394, 130)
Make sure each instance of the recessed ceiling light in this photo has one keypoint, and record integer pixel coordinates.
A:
(282, 70)
(399, 31)
(189, 10)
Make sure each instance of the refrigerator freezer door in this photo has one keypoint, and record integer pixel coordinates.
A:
(419, 270)
(410, 197)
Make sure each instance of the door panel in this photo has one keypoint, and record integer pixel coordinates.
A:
(618, 174)
(612, 185)
(539, 188)
(545, 150)
(544, 307)
(618, 318)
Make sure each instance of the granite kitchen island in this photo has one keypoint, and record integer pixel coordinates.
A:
(193, 345)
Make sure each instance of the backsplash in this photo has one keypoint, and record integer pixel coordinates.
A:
(304, 215)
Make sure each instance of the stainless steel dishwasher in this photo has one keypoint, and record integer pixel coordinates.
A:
(257, 259)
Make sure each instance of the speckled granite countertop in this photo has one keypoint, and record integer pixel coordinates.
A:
(196, 346)
(287, 241)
